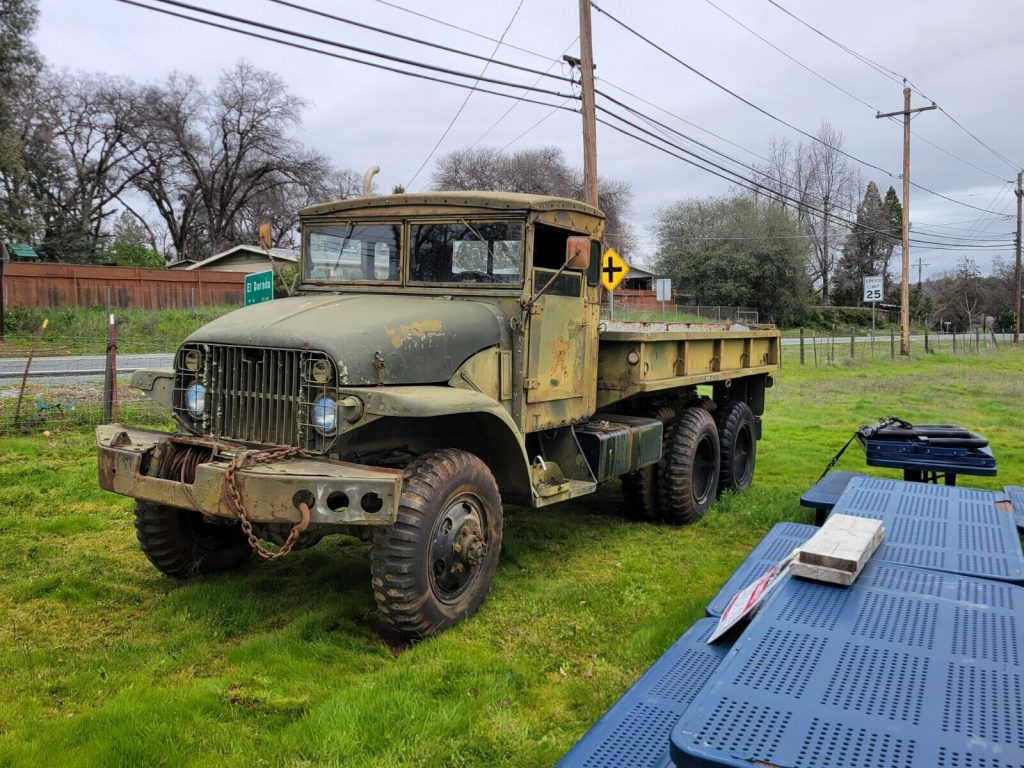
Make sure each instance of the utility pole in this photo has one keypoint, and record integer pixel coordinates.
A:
(589, 111)
(920, 263)
(1016, 270)
(905, 279)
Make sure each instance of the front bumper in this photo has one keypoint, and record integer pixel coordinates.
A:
(341, 493)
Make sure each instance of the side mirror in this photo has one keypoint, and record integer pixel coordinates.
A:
(577, 252)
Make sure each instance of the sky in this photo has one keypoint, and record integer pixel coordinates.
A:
(964, 56)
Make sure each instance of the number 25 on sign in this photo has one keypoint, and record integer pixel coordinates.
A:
(613, 269)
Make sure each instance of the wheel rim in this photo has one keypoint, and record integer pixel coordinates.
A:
(458, 546)
(704, 478)
(743, 456)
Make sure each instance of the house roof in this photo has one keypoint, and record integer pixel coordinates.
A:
(21, 251)
(279, 254)
(635, 271)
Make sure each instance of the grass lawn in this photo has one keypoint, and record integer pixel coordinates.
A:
(106, 662)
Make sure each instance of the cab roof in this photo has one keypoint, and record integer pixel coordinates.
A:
(505, 201)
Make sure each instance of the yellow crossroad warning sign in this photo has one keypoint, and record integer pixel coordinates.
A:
(613, 269)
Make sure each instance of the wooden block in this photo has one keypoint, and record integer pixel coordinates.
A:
(838, 551)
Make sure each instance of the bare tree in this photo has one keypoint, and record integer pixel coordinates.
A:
(92, 121)
(833, 187)
(825, 188)
(215, 163)
(539, 171)
(19, 65)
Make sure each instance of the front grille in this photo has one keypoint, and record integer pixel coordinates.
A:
(255, 395)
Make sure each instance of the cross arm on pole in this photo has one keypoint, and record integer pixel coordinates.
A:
(904, 112)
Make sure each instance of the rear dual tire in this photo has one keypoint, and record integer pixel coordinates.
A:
(689, 468)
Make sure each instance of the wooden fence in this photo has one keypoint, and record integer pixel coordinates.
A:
(86, 285)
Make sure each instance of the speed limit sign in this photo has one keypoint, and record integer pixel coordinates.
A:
(872, 288)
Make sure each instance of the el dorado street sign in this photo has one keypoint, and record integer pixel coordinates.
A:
(259, 287)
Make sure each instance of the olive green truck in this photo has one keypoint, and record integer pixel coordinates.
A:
(444, 354)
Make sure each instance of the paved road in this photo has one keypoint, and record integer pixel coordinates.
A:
(76, 369)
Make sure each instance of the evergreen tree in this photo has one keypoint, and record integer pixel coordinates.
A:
(19, 65)
(868, 248)
(893, 210)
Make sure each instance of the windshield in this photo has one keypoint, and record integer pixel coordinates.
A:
(353, 252)
(466, 252)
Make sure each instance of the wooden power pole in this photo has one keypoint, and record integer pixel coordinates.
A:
(905, 280)
(589, 111)
(1016, 270)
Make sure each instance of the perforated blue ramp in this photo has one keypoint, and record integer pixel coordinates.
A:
(782, 539)
(960, 530)
(906, 668)
(1016, 494)
(635, 731)
(824, 494)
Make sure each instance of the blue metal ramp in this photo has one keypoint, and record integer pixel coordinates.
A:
(946, 528)
(782, 539)
(635, 731)
(905, 668)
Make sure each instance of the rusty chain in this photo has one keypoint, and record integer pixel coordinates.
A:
(233, 498)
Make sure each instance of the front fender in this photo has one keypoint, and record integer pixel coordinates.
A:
(457, 418)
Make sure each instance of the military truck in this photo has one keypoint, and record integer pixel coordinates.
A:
(444, 354)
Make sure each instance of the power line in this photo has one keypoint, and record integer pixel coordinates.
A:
(748, 184)
(768, 114)
(463, 29)
(840, 88)
(515, 104)
(417, 40)
(354, 48)
(535, 125)
(791, 58)
(683, 120)
(966, 221)
(343, 57)
(952, 240)
(895, 76)
(465, 101)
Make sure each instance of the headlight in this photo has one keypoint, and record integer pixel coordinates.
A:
(325, 414)
(195, 399)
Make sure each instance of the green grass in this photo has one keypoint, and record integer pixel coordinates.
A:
(83, 330)
(106, 662)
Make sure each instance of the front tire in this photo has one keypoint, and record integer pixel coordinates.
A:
(433, 567)
(182, 545)
(688, 473)
(738, 435)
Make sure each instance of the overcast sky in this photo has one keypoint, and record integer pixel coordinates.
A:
(965, 56)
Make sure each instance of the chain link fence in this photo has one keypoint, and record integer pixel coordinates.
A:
(48, 407)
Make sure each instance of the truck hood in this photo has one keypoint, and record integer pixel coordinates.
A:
(421, 340)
